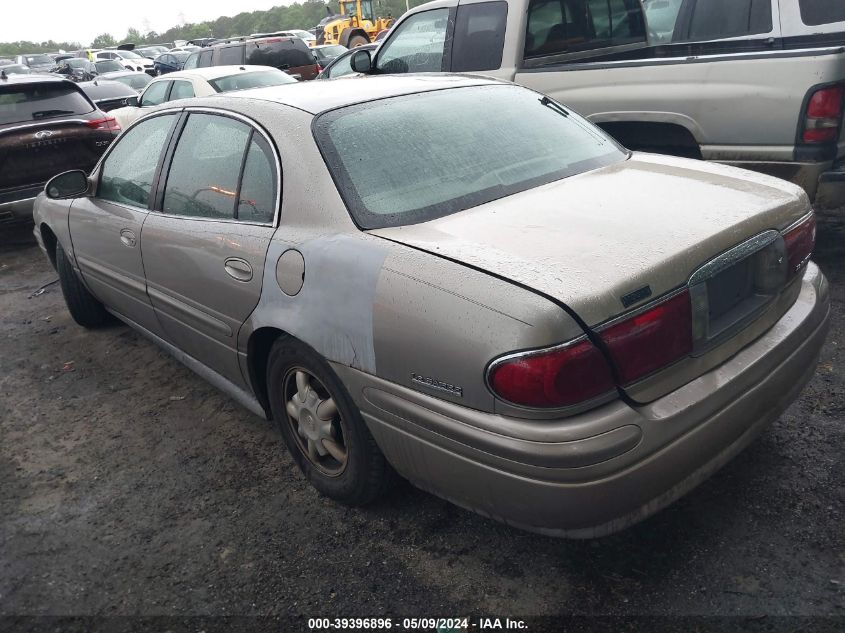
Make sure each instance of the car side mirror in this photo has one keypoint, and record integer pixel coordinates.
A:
(132, 102)
(70, 184)
(361, 62)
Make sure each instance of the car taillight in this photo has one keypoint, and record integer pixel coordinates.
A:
(650, 340)
(800, 241)
(557, 377)
(824, 115)
(106, 123)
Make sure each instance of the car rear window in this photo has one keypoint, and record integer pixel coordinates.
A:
(281, 54)
(257, 79)
(40, 101)
(38, 59)
(138, 81)
(502, 140)
(818, 12)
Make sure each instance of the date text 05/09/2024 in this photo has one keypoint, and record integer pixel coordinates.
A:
(440, 625)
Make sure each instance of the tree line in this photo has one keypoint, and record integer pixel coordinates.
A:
(299, 15)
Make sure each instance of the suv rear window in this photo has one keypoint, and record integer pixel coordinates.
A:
(281, 54)
(257, 79)
(30, 102)
(818, 12)
(502, 140)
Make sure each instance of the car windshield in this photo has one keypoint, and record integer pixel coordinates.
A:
(325, 52)
(29, 102)
(138, 81)
(129, 55)
(38, 59)
(502, 140)
(255, 79)
(108, 66)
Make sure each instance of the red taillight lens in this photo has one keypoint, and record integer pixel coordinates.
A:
(558, 377)
(824, 115)
(106, 123)
(800, 242)
(652, 339)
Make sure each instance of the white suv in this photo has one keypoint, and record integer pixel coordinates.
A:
(128, 59)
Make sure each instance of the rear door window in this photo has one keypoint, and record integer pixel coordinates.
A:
(181, 90)
(256, 200)
(818, 12)
(479, 36)
(418, 44)
(40, 101)
(204, 59)
(202, 181)
(570, 26)
(231, 55)
(719, 19)
(128, 172)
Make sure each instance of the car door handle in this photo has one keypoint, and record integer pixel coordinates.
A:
(127, 237)
(238, 268)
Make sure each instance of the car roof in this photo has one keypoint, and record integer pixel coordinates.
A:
(318, 96)
(213, 72)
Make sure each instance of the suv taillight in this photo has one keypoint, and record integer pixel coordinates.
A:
(557, 377)
(800, 241)
(106, 123)
(823, 118)
(648, 341)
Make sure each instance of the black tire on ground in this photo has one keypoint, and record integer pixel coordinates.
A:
(366, 474)
(83, 307)
(357, 40)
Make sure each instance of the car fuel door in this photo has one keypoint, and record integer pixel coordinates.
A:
(205, 248)
(106, 228)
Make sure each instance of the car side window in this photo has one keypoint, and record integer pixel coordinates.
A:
(204, 60)
(203, 177)
(418, 44)
(181, 90)
(570, 26)
(191, 62)
(343, 66)
(256, 201)
(230, 55)
(155, 94)
(819, 12)
(718, 19)
(479, 36)
(128, 171)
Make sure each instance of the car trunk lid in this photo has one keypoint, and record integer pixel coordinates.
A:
(612, 240)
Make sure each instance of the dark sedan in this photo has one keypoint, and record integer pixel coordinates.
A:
(107, 94)
(76, 69)
(170, 62)
(47, 125)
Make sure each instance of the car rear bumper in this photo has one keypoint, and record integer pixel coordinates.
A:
(598, 472)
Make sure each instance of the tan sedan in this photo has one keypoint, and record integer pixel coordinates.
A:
(458, 279)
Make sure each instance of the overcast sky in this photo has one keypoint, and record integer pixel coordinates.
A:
(61, 20)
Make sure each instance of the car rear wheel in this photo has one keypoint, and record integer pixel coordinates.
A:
(322, 427)
(83, 307)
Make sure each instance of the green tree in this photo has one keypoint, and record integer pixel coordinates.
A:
(104, 40)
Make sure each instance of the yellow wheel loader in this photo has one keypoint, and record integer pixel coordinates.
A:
(356, 24)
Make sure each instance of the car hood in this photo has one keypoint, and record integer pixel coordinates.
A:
(591, 239)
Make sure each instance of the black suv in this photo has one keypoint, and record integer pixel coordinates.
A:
(47, 126)
(289, 54)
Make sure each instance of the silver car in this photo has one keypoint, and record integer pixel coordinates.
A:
(458, 279)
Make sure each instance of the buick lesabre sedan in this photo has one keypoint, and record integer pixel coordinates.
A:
(457, 279)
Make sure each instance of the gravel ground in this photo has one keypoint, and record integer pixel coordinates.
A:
(128, 486)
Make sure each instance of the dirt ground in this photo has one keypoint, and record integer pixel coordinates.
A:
(128, 486)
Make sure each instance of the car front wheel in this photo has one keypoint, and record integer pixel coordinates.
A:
(322, 427)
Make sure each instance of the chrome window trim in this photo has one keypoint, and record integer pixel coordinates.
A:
(46, 122)
(276, 158)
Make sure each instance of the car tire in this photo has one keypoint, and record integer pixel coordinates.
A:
(83, 307)
(356, 41)
(363, 474)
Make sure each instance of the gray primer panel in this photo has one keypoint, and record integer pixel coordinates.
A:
(333, 313)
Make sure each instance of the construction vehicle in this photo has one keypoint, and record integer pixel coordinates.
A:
(356, 24)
